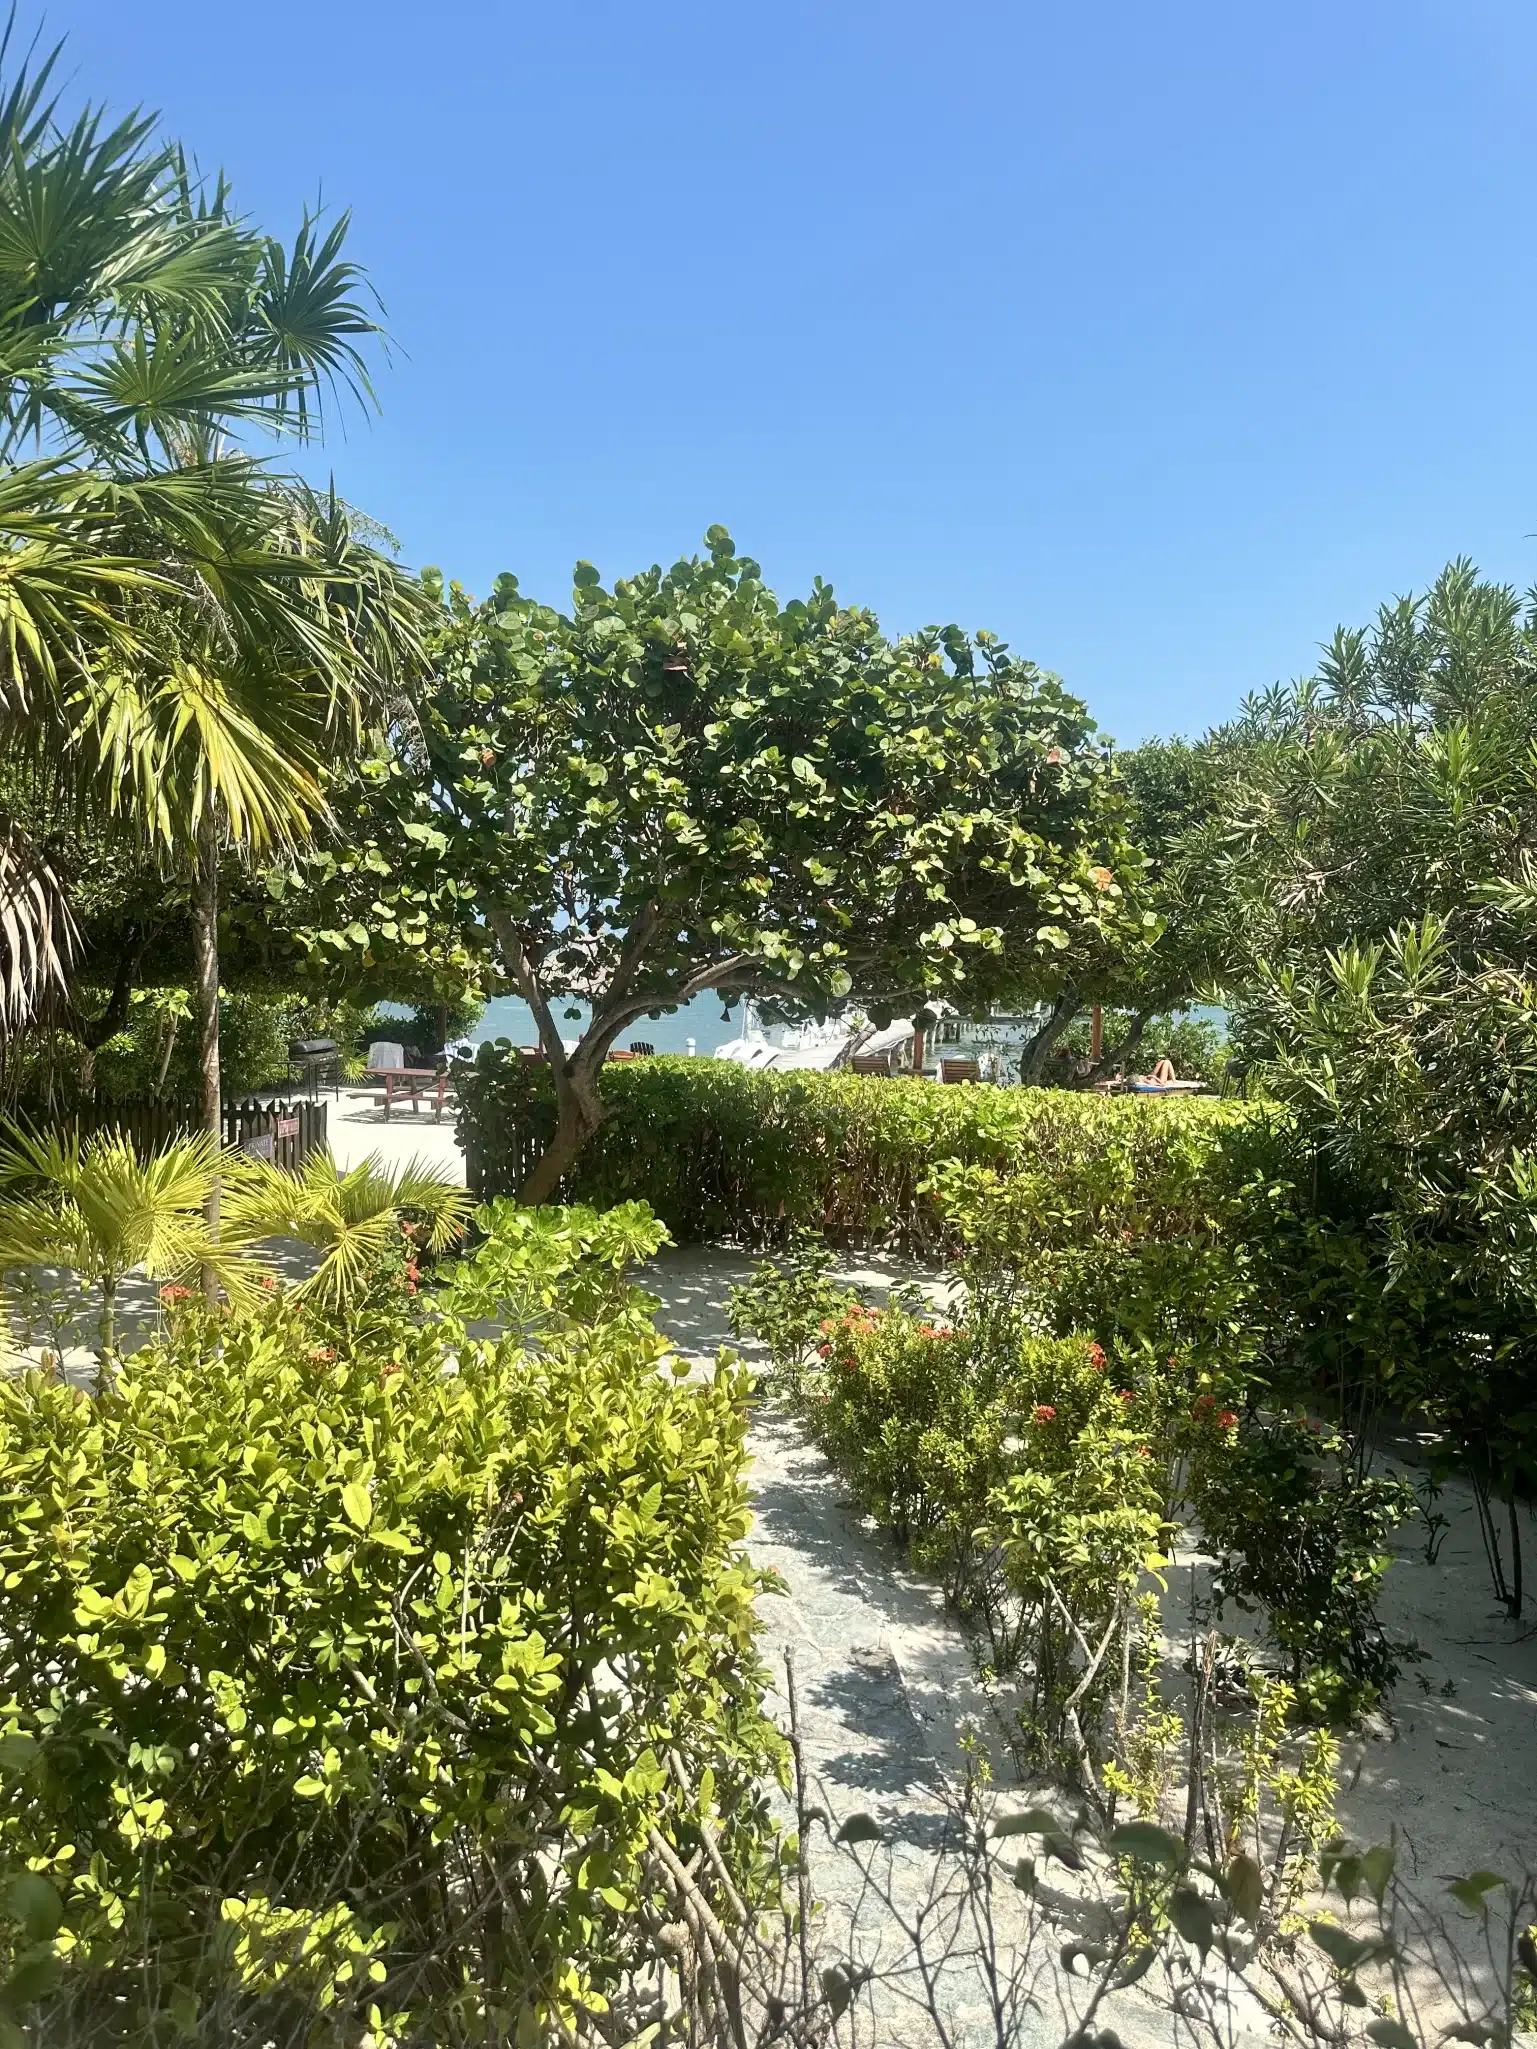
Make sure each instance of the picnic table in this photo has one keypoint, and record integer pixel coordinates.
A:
(415, 1081)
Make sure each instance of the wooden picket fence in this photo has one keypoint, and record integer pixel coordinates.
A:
(296, 1129)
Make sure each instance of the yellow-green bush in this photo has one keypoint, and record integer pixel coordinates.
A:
(349, 1674)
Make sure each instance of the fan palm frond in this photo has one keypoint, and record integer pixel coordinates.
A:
(351, 1218)
(102, 1208)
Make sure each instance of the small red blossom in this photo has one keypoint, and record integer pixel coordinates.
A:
(173, 1293)
(1125, 1395)
(1203, 1402)
(1097, 1356)
(1143, 1452)
(1226, 1420)
(268, 1282)
(1045, 1413)
(322, 1355)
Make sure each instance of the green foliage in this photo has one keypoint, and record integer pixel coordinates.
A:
(1197, 1046)
(571, 1263)
(352, 1218)
(154, 1058)
(722, 1152)
(101, 1210)
(356, 1629)
(684, 785)
(1302, 1534)
(1376, 868)
(1020, 1469)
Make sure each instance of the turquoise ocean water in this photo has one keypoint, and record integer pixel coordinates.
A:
(508, 1017)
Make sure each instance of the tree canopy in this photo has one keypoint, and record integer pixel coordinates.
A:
(683, 785)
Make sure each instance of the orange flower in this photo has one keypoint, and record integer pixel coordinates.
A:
(1102, 877)
(1044, 1413)
(1226, 1420)
(1096, 1355)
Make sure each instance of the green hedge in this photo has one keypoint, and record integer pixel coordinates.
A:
(722, 1152)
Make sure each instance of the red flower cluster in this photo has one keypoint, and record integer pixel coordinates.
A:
(1045, 1413)
(1097, 1357)
(173, 1293)
(1227, 1420)
(1125, 1395)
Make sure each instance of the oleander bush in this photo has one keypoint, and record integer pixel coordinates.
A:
(359, 1678)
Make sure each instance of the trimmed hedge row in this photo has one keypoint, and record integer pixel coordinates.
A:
(723, 1152)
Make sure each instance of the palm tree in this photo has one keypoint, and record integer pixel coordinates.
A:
(183, 634)
(102, 1210)
(351, 1219)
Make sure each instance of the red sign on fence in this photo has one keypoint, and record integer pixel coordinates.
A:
(288, 1127)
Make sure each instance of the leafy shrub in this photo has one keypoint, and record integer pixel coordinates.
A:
(1303, 1534)
(724, 1152)
(156, 1054)
(1023, 1470)
(359, 1678)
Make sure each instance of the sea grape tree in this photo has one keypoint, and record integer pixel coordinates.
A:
(683, 785)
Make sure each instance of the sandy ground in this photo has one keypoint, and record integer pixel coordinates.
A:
(1450, 1766)
(357, 1126)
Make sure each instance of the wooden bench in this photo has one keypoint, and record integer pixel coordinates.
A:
(959, 1070)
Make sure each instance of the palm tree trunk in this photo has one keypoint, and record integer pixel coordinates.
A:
(107, 1329)
(205, 978)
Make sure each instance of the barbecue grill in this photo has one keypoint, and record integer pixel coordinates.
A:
(315, 1061)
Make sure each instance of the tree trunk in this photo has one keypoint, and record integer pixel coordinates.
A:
(1033, 1060)
(1120, 1056)
(171, 1025)
(573, 1128)
(205, 994)
(107, 1328)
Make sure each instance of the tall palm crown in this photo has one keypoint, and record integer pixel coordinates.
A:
(181, 630)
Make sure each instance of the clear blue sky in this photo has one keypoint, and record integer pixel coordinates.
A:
(1156, 338)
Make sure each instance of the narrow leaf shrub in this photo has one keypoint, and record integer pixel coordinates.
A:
(350, 1675)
